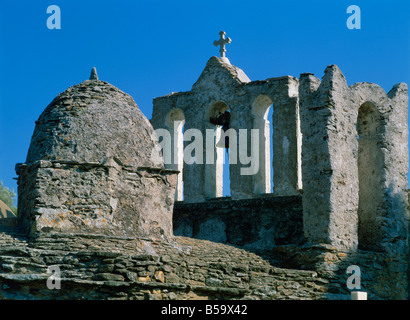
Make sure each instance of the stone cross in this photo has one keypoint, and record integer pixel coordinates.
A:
(222, 42)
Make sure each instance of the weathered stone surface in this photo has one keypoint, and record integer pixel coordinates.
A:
(92, 122)
(256, 224)
(89, 168)
(208, 270)
(93, 75)
(354, 161)
(330, 265)
(222, 88)
(99, 207)
(173, 276)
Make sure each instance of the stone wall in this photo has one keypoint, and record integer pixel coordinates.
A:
(383, 275)
(90, 122)
(107, 198)
(89, 168)
(223, 87)
(354, 163)
(256, 224)
(103, 267)
(101, 213)
(272, 227)
(106, 267)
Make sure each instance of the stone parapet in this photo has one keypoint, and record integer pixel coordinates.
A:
(255, 224)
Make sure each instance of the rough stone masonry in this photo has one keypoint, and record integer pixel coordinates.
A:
(88, 168)
(93, 203)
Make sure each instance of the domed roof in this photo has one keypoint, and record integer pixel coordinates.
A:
(91, 122)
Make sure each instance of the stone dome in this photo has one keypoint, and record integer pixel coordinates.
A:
(89, 168)
(91, 122)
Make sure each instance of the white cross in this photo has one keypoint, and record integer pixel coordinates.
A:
(222, 42)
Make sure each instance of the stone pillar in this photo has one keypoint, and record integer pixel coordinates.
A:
(242, 183)
(383, 165)
(193, 174)
(213, 162)
(179, 160)
(329, 162)
(286, 140)
(260, 110)
(396, 164)
(166, 116)
(263, 177)
(174, 123)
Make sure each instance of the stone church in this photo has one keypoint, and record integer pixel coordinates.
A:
(94, 205)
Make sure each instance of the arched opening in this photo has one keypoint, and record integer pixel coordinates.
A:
(174, 122)
(261, 109)
(217, 120)
(370, 168)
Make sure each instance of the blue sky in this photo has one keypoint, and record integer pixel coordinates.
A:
(150, 48)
